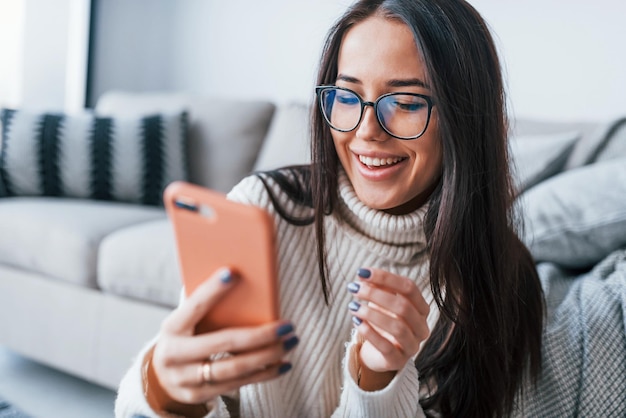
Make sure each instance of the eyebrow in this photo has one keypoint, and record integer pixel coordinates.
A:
(409, 82)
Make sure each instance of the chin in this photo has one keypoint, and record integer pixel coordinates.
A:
(377, 204)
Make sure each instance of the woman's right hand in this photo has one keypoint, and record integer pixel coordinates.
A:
(180, 358)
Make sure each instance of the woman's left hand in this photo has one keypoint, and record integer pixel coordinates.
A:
(390, 315)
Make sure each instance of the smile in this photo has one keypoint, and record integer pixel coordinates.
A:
(379, 162)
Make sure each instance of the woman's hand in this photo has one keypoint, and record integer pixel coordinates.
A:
(182, 361)
(390, 315)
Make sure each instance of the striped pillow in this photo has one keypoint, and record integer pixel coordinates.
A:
(86, 156)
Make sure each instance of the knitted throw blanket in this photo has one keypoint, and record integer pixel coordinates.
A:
(584, 354)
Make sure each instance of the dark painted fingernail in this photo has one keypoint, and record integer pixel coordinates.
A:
(353, 287)
(226, 276)
(354, 306)
(284, 329)
(290, 343)
(284, 368)
(364, 273)
(357, 320)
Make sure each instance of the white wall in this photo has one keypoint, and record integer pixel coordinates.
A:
(11, 40)
(259, 49)
(133, 45)
(43, 44)
(564, 58)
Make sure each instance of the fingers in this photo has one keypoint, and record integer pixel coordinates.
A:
(201, 393)
(395, 331)
(390, 313)
(248, 364)
(395, 284)
(184, 319)
(175, 349)
(254, 354)
(187, 349)
(231, 368)
(378, 352)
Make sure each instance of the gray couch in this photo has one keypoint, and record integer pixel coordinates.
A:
(84, 283)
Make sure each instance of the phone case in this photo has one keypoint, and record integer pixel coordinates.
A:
(212, 232)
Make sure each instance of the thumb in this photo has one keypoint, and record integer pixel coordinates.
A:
(183, 319)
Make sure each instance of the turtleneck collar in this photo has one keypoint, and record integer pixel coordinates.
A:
(399, 237)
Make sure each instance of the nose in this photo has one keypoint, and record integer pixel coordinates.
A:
(369, 128)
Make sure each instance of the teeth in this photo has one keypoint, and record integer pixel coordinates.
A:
(378, 162)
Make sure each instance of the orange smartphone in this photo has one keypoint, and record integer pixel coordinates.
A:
(212, 232)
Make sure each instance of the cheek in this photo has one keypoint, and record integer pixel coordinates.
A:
(436, 159)
(433, 149)
(429, 163)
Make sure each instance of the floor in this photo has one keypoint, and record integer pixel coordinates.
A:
(43, 392)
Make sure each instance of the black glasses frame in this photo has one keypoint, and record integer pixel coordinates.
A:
(320, 89)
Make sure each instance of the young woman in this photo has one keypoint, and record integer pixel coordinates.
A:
(399, 265)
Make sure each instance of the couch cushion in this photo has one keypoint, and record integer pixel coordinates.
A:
(287, 141)
(578, 217)
(81, 155)
(532, 126)
(60, 237)
(615, 144)
(225, 134)
(605, 141)
(538, 157)
(140, 262)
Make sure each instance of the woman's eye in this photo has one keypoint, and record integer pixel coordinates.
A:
(347, 99)
(408, 107)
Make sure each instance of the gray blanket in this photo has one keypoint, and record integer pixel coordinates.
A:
(584, 355)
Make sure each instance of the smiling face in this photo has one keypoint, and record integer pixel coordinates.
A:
(379, 56)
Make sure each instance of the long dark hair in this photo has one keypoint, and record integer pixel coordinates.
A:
(487, 342)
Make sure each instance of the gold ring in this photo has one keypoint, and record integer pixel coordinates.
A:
(205, 372)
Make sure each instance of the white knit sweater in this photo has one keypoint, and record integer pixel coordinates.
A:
(320, 383)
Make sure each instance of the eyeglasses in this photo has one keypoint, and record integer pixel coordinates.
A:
(401, 115)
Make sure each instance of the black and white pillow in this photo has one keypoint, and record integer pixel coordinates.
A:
(87, 156)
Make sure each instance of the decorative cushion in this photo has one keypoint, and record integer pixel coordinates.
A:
(2, 191)
(225, 135)
(83, 155)
(59, 238)
(140, 262)
(536, 158)
(579, 216)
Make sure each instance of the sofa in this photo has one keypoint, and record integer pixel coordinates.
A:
(85, 282)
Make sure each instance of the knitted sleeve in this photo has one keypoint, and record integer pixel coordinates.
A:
(400, 398)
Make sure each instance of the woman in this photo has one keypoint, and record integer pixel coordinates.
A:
(404, 217)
